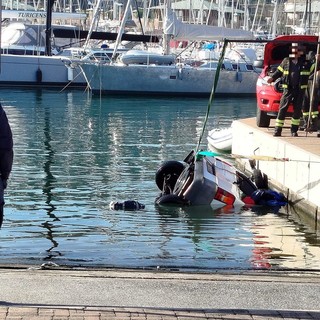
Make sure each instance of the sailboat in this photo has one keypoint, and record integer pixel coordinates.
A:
(176, 78)
(26, 59)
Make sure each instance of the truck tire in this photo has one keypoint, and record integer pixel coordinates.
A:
(262, 120)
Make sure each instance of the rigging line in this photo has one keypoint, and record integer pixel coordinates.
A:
(78, 75)
(186, 48)
(139, 17)
(213, 90)
(314, 80)
(270, 158)
(252, 157)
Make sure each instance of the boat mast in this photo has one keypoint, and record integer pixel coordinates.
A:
(255, 16)
(122, 25)
(93, 22)
(209, 12)
(274, 19)
(48, 27)
(166, 37)
(232, 14)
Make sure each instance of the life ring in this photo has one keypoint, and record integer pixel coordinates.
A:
(170, 199)
(260, 179)
(168, 172)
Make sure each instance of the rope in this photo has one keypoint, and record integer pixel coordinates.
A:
(213, 91)
(252, 157)
(314, 80)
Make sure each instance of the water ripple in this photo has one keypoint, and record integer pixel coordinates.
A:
(74, 154)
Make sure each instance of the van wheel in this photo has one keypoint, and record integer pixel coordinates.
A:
(171, 199)
(260, 179)
(262, 120)
(169, 171)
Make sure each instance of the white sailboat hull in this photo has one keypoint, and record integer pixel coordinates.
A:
(167, 80)
(38, 71)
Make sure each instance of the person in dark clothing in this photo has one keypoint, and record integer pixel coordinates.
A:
(310, 104)
(6, 156)
(295, 72)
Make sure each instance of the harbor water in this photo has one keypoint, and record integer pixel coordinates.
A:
(75, 153)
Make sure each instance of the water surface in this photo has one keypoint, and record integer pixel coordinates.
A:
(74, 154)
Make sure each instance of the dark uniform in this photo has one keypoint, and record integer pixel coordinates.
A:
(6, 156)
(295, 71)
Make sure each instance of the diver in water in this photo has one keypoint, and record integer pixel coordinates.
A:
(6, 156)
(130, 205)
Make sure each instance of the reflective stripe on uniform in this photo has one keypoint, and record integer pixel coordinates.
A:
(313, 114)
(279, 123)
(295, 122)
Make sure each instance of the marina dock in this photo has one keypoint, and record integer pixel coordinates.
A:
(292, 164)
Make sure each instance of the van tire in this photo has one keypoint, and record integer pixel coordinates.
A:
(170, 199)
(170, 170)
(260, 179)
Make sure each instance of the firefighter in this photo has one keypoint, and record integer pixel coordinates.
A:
(295, 71)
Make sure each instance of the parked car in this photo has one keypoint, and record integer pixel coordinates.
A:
(268, 95)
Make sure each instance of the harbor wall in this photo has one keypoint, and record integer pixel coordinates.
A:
(298, 177)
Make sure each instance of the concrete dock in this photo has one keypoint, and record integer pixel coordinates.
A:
(61, 294)
(292, 164)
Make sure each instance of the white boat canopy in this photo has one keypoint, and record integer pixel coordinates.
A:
(192, 32)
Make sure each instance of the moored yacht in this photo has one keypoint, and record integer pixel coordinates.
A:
(165, 76)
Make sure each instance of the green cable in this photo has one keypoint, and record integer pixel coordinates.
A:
(213, 90)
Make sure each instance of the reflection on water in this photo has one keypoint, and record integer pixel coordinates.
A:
(75, 154)
(48, 187)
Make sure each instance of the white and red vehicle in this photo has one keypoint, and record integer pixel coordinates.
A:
(203, 178)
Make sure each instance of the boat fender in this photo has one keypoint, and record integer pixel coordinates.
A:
(130, 205)
(239, 76)
(180, 67)
(269, 197)
(39, 75)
